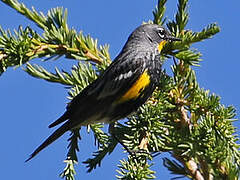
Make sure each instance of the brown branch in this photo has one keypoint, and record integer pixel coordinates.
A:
(93, 58)
(144, 142)
(42, 48)
(193, 169)
(205, 170)
(185, 120)
(2, 55)
(191, 166)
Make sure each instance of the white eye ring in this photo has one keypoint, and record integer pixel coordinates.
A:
(161, 33)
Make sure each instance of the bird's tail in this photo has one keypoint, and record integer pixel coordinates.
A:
(63, 118)
(55, 135)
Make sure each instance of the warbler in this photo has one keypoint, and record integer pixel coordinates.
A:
(122, 88)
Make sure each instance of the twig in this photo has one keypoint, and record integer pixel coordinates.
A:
(191, 166)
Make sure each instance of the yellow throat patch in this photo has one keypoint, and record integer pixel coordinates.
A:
(134, 91)
(161, 44)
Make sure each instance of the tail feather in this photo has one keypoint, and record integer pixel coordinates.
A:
(55, 135)
(63, 118)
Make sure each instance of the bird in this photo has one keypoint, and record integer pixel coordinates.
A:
(122, 88)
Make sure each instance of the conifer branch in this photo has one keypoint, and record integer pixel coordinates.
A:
(181, 18)
(69, 171)
(81, 75)
(98, 156)
(158, 13)
(57, 40)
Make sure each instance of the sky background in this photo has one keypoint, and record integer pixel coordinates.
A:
(28, 105)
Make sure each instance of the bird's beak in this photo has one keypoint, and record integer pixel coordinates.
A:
(168, 38)
(172, 38)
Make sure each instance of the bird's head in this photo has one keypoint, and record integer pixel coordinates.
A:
(152, 35)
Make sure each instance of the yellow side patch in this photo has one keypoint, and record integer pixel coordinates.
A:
(161, 44)
(142, 82)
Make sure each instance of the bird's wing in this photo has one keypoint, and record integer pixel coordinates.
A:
(114, 83)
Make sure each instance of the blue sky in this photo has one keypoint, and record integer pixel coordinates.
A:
(29, 105)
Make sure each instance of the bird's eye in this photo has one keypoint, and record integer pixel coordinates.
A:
(161, 33)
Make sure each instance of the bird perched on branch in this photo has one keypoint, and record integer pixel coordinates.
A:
(122, 88)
